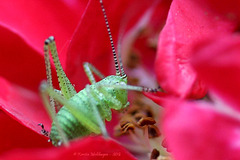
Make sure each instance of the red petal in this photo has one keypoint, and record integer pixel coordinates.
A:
(14, 135)
(145, 39)
(22, 70)
(24, 105)
(195, 132)
(160, 97)
(22, 63)
(19, 62)
(229, 9)
(89, 148)
(217, 61)
(40, 19)
(187, 24)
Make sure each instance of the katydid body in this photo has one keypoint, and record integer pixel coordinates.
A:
(84, 112)
(116, 99)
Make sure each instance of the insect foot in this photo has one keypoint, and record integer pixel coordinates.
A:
(49, 40)
(43, 131)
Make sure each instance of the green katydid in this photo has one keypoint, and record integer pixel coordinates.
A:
(84, 112)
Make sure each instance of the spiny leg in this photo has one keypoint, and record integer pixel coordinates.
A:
(57, 104)
(65, 84)
(66, 87)
(48, 73)
(89, 70)
(73, 109)
(51, 110)
(96, 112)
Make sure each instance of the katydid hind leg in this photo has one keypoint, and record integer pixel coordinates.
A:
(51, 110)
(74, 110)
(48, 72)
(67, 88)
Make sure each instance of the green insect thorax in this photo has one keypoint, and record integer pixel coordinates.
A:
(104, 94)
(119, 94)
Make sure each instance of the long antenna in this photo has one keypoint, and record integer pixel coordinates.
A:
(119, 53)
(111, 40)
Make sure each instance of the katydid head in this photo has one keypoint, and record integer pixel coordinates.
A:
(113, 86)
(117, 59)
